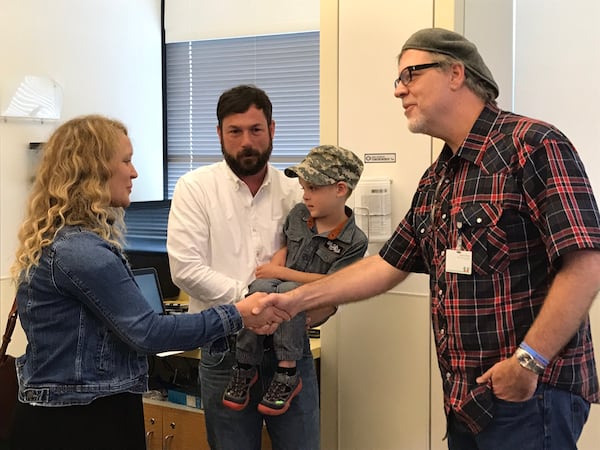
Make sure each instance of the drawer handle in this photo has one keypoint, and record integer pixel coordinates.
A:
(149, 435)
(167, 441)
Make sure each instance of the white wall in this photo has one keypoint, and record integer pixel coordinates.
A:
(194, 20)
(107, 58)
(557, 71)
(375, 354)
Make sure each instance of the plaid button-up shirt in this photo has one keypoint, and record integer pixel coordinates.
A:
(516, 195)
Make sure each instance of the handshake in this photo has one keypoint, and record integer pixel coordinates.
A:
(262, 313)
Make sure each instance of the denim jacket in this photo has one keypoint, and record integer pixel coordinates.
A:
(89, 329)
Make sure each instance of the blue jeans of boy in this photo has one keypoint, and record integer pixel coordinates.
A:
(551, 420)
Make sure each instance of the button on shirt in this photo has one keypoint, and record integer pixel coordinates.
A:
(518, 196)
(218, 233)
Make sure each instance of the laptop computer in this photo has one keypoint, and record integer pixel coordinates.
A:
(147, 279)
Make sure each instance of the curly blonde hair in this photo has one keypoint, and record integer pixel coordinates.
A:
(71, 188)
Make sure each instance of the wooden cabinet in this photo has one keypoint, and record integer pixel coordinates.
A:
(174, 427)
(170, 426)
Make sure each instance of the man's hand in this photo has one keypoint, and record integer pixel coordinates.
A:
(285, 302)
(510, 381)
(266, 320)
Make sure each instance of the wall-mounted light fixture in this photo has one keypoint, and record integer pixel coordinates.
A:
(38, 98)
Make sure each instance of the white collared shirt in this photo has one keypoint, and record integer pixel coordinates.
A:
(218, 233)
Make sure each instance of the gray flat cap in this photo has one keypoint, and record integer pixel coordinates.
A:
(450, 43)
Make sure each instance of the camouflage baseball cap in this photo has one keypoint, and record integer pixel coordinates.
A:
(328, 164)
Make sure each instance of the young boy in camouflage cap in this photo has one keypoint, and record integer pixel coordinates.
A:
(321, 237)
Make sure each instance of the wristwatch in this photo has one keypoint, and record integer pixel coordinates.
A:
(529, 362)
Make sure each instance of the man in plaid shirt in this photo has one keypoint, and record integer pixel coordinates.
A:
(507, 227)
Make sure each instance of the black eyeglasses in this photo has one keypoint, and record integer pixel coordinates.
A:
(406, 74)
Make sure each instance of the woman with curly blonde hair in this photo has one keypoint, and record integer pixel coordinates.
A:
(70, 188)
(88, 326)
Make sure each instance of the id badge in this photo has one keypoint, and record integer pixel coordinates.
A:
(459, 261)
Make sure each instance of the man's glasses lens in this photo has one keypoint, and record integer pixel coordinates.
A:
(406, 73)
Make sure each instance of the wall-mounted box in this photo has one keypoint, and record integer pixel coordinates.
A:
(373, 208)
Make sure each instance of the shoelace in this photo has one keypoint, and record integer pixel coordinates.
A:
(278, 391)
(239, 384)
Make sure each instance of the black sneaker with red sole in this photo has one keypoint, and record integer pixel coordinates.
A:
(237, 393)
(282, 390)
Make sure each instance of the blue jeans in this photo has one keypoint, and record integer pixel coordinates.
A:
(297, 429)
(288, 339)
(551, 420)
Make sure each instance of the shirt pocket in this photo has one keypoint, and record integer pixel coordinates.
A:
(482, 235)
(294, 244)
(329, 252)
(425, 238)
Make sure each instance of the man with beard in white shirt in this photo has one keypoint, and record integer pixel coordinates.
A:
(226, 219)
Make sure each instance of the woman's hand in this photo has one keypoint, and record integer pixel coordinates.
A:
(266, 321)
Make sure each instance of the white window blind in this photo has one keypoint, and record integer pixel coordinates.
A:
(147, 226)
(285, 66)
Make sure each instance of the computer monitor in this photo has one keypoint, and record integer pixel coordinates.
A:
(160, 261)
(147, 279)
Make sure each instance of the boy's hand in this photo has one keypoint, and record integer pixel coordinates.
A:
(268, 270)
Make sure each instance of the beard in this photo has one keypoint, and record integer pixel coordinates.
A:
(249, 161)
(417, 125)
